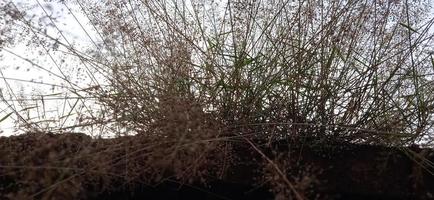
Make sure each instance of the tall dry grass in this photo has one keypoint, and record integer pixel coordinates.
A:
(192, 79)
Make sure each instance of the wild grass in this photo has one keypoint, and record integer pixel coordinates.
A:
(193, 78)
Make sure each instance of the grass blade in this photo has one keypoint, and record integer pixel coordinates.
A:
(5, 117)
(408, 27)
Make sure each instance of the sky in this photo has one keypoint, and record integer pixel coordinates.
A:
(21, 82)
(36, 88)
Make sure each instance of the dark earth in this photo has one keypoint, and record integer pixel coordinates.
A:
(341, 171)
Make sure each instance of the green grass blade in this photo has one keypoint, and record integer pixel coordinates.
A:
(408, 27)
(5, 117)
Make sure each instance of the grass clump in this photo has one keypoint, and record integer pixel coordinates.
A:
(191, 79)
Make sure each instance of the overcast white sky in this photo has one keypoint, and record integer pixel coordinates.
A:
(22, 80)
(25, 81)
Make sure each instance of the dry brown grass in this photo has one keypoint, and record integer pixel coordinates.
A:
(189, 88)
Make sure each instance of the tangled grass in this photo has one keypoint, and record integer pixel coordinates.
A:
(191, 79)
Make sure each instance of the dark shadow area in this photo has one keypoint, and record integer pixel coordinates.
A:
(338, 171)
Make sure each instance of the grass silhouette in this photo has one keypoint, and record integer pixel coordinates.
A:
(181, 85)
